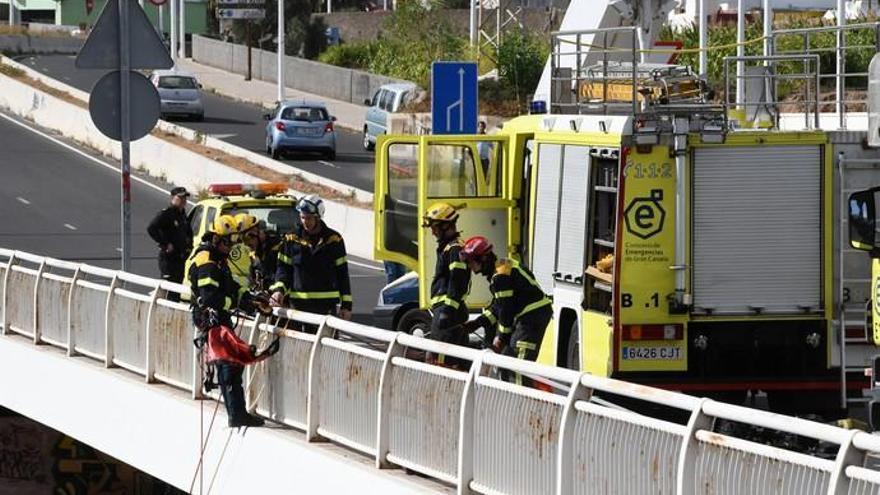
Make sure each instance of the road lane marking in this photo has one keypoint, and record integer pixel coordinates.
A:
(71, 227)
(322, 162)
(22, 200)
(85, 155)
(222, 136)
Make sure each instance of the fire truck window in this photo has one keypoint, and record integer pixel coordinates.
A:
(401, 203)
(452, 171)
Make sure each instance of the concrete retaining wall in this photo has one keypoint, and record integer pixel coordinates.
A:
(22, 44)
(160, 158)
(338, 83)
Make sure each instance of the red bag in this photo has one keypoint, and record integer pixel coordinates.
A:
(225, 345)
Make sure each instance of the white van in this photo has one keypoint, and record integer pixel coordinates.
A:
(389, 98)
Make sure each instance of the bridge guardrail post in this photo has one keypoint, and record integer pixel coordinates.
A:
(150, 335)
(466, 428)
(848, 455)
(395, 349)
(197, 392)
(5, 329)
(108, 332)
(71, 336)
(324, 330)
(36, 326)
(565, 463)
(687, 456)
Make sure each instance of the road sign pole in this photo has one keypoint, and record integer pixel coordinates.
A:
(182, 46)
(125, 126)
(161, 9)
(173, 29)
(247, 34)
(280, 50)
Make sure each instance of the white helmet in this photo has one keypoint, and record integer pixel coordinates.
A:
(311, 204)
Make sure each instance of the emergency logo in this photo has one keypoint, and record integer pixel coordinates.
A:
(645, 216)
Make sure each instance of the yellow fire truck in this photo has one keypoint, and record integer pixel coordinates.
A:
(690, 245)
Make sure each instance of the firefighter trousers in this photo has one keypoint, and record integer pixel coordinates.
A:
(525, 341)
(229, 378)
(446, 327)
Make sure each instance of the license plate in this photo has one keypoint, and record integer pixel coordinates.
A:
(307, 132)
(661, 353)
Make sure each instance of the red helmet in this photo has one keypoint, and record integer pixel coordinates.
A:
(475, 247)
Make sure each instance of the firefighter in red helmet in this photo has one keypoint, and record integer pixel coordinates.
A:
(520, 309)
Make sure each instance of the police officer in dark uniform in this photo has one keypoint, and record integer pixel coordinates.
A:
(519, 306)
(451, 282)
(215, 296)
(171, 230)
(312, 270)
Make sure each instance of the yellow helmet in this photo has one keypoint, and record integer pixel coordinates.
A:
(245, 222)
(439, 212)
(225, 226)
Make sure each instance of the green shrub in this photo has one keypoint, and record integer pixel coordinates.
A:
(521, 59)
(351, 55)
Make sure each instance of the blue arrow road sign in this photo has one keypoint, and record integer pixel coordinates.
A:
(454, 98)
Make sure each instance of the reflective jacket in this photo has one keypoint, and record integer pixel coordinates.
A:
(452, 279)
(314, 267)
(212, 285)
(515, 293)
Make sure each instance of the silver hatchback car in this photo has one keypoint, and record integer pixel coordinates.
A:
(300, 126)
(179, 94)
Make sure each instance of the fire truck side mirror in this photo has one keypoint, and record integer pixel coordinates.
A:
(862, 219)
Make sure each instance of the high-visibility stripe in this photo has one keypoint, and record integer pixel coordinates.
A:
(332, 294)
(227, 303)
(346, 298)
(277, 286)
(489, 316)
(526, 276)
(208, 281)
(535, 305)
(523, 345)
(503, 293)
(457, 264)
(341, 261)
(283, 258)
(444, 299)
(504, 330)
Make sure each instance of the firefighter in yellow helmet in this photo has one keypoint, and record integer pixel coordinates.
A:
(240, 254)
(215, 294)
(451, 282)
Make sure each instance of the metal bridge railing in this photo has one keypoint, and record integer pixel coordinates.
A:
(368, 389)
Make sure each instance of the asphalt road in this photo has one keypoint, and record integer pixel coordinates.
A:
(57, 202)
(237, 123)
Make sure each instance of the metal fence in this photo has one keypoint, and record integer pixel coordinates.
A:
(369, 389)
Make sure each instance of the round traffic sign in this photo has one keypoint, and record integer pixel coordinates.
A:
(105, 103)
(158, 3)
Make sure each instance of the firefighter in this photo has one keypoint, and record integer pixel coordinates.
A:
(265, 245)
(215, 296)
(312, 270)
(519, 307)
(240, 255)
(451, 282)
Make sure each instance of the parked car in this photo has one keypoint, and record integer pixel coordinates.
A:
(398, 309)
(179, 94)
(389, 98)
(304, 126)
